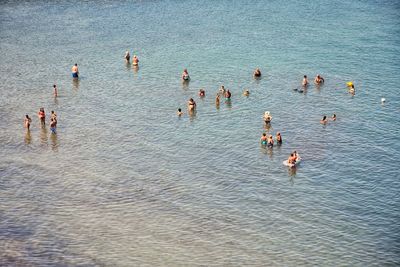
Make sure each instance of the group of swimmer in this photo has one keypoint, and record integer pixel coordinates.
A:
(135, 59)
(268, 141)
(42, 120)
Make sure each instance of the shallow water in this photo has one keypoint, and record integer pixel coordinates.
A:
(127, 183)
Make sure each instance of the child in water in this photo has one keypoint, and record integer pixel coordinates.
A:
(179, 112)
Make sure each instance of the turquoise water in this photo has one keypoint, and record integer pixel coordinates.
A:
(127, 183)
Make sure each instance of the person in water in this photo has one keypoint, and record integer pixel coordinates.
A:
(292, 159)
(352, 90)
(264, 139)
(202, 93)
(179, 112)
(270, 141)
(127, 56)
(333, 117)
(278, 138)
(53, 116)
(319, 79)
(185, 75)
(324, 120)
(228, 95)
(305, 81)
(296, 156)
(267, 117)
(135, 61)
(55, 92)
(246, 92)
(53, 125)
(257, 73)
(191, 105)
(222, 90)
(75, 71)
(217, 100)
(42, 116)
(27, 122)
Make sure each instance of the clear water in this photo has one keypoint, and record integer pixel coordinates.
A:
(127, 183)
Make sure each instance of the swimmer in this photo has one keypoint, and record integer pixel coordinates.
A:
(27, 122)
(202, 93)
(319, 79)
(295, 156)
(191, 105)
(75, 71)
(179, 112)
(53, 116)
(270, 141)
(257, 73)
(185, 75)
(246, 92)
(333, 117)
(324, 120)
(55, 90)
(135, 60)
(267, 117)
(42, 116)
(222, 90)
(53, 125)
(352, 90)
(217, 100)
(292, 159)
(264, 139)
(228, 95)
(278, 138)
(127, 56)
(305, 81)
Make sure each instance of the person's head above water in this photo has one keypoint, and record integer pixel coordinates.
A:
(305, 76)
(76, 64)
(179, 109)
(324, 118)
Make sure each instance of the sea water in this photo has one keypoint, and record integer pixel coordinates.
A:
(125, 182)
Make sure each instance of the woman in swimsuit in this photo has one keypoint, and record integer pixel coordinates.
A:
(185, 75)
(42, 116)
(135, 60)
(257, 73)
(191, 105)
(334, 117)
(267, 117)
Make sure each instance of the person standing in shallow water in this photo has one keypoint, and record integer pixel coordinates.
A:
(305, 81)
(75, 71)
(42, 116)
(53, 125)
(27, 122)
(55, 92)
(127, 56)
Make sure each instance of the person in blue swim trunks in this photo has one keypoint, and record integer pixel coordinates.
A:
(264, 139)
(75, 71)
